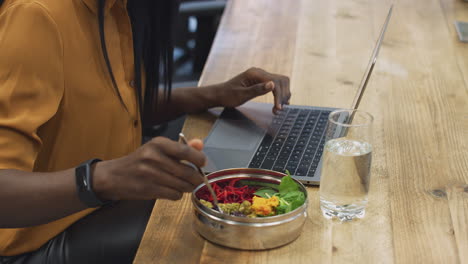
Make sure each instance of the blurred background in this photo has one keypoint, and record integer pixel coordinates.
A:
(194, 33)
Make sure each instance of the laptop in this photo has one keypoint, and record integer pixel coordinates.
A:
(250, 136)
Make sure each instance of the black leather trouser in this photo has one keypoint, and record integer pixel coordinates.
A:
(111, 234)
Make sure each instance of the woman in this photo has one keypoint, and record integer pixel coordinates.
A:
(78, 83)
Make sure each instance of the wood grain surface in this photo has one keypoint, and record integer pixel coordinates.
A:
(418, 94)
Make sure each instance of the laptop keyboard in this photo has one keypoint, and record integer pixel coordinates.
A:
(296, 144)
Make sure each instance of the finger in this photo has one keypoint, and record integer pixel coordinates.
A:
(190, 174)
(285, 89)
(183, 172)
(260, 75)
(278, 93)
(196, 143)
(179, 151)
(289, 90)
(172, 181)
(260, 89)
(152, 172)
(177, 169)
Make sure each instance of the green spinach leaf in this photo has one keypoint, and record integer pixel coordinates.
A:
(265, 192)
(287, 184)
(290, 196)
(284, 207)
(295, 199)
(259, 183)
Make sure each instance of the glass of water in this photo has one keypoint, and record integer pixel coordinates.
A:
(346, 164)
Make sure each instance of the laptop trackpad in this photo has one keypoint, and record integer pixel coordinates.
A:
(232, 144)
(235, 134)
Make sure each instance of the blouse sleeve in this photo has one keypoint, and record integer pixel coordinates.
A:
(31, 81)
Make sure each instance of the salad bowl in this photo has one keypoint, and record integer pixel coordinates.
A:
(243, 232)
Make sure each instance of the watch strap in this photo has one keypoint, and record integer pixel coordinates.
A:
(84, 184)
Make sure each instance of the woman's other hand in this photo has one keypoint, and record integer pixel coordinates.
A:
(252, 83)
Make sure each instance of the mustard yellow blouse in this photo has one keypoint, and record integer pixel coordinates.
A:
(57, 103)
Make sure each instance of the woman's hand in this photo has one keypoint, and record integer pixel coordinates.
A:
(252, 83)
(153, 171)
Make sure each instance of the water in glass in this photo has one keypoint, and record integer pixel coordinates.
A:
(345, 178)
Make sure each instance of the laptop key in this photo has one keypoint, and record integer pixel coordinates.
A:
(314, 163)
(288, 148)
(304, 165)
(267, 164)
(321, 125)
(283, 156)
(294, 134)
(294, 158)
(301, 172)
(301, 141)
(291, 169)
(320, 151)
(310, 150)
(277, 143)
(281, 162)
(311, 172)
(255, 164)
(278, 168)
(279, 140)
(257, 158)
(282, 135)
(275, 149)
(300, 149)
(297, 151)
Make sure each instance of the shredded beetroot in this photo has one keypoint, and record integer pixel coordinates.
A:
(228, 193)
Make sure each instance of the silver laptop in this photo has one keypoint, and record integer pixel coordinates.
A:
(250, 136)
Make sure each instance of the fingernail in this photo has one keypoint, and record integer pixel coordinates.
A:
(270, 85)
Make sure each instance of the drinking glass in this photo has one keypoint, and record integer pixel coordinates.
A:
(344, 182)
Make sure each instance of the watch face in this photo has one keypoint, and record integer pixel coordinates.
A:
(81, 180)
(462, 30)
(83, 177)
(83, 186)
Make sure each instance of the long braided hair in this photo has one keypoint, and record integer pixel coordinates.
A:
(152, 22)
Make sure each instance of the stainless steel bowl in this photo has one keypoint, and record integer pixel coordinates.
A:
(244, 232)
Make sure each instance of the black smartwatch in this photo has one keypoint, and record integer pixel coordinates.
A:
(84, 184)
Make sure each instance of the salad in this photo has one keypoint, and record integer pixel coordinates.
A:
(255, 198)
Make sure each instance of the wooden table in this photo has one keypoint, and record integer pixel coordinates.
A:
(418, 200)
